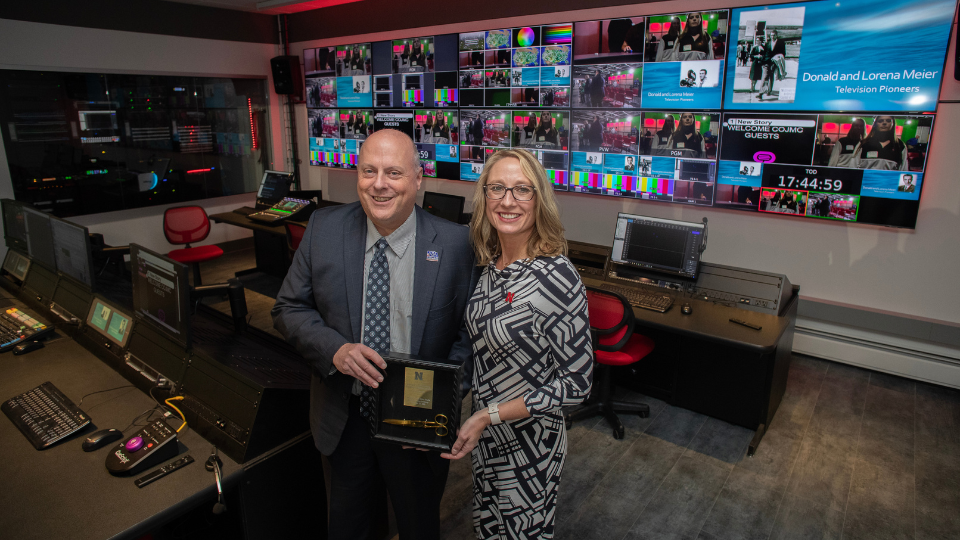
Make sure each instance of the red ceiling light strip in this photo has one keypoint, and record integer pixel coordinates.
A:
(195, 171)
(253, 128)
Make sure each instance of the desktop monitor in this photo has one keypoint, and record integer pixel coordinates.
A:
(659, 245)
(16, 265)
(71, 250)
(274, 185)
(39, 238)
(110, 323)
(15, 230)
(161, 293)
(448, 207)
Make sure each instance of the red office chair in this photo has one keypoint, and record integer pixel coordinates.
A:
(294, 236)
(614, 344)
(185, 225)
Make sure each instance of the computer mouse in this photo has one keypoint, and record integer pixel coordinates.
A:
(24, 348)
(100, 438)
(686, 309)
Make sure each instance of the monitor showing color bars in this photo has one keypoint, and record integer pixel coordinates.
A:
(557, 178)
(412, 96)
(337, 158)
(660, 186)
(588, 179)
(445, 96)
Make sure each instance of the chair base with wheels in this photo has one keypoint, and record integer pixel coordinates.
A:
(601, 401)
(614, 344)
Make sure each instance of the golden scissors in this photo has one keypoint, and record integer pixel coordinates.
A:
(439, 424)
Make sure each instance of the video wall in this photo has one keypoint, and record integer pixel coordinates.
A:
(800, 110)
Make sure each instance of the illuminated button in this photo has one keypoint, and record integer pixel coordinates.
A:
(134, 444)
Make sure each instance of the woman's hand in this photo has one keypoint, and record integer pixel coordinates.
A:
(469, 435)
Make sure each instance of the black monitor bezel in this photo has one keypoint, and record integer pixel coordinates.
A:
(659, 271)
(36, 260)
(12, 241)
(183, 293)
(447, 196)
(129, 331)
(17, 253)
(263, 181)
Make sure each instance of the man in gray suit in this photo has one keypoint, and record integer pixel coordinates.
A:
(371, 277)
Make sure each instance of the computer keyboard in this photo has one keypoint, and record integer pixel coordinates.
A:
(17, 326)
(44, 415)
(641, 299)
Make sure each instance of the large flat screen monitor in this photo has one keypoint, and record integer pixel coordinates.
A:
(339, 76)
(39, 238)
(844, 167)
(660, 156)
(416, 72)
(528, 66)
(835, 56)
(664, 246)
(71, 250)
(161, 293)
(546, 134)
(436, 134)
(14, 226)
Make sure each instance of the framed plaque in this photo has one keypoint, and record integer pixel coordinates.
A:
(417, 404)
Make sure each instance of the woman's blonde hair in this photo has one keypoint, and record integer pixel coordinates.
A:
(546, 239)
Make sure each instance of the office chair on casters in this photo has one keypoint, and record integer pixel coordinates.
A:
(294, 236)
(614, 344)
(186, 225)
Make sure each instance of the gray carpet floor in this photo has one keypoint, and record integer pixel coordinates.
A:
(850, 454)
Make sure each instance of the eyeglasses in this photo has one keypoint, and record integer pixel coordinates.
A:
(499, 191)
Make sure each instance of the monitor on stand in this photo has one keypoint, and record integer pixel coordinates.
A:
(161, 293)
(661, 247)
(72, 252)
(449, 207)
(274, 186)
(14, 226)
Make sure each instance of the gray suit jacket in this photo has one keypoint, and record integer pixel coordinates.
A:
(318, 309)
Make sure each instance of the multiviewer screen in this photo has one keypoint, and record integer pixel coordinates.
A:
(660, 245)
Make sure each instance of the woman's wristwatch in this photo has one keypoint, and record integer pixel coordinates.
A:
(494, 410)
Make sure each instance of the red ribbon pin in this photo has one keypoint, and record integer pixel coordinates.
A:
(509, 297)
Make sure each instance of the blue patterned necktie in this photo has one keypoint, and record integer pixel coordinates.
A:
(376, 324)
(376, 319)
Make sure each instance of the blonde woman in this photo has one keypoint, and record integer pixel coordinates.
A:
(532, 354)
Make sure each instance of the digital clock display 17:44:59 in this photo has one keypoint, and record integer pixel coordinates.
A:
(812, 178)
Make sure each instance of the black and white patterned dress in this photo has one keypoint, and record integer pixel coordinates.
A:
(535, 346)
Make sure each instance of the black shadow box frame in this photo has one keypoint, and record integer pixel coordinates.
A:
(386, 401)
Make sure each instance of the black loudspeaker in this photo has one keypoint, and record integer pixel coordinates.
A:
(286, 76)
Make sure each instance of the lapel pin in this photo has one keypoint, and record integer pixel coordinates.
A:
(433, 256)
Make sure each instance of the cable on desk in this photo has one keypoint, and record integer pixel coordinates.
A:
(147, 412)
(102, 391)
(182, 417)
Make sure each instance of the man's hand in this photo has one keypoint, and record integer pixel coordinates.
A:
(469, 435)
(357, 361)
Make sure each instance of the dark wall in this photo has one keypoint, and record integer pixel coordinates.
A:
(385, 15)
(149, 17)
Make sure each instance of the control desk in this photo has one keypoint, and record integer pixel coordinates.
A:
(702, 361)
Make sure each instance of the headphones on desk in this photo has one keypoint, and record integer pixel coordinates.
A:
(214, 464)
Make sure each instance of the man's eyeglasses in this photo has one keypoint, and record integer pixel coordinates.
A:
(499, 191)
